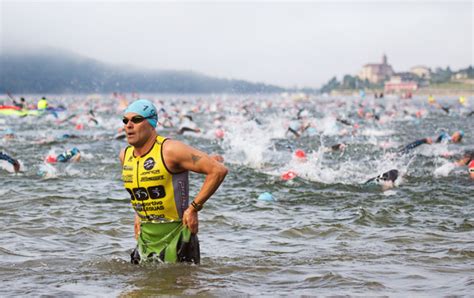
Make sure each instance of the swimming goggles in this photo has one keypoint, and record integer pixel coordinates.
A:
(136, 119)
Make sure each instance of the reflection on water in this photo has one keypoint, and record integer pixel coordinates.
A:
(71, 233)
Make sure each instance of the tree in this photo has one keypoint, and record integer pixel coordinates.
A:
(330, 85)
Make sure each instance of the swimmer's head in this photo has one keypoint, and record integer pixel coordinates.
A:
(457, 136)
(391, 175)
(471, 169)
(9, 134)
(145, 108)
(300, 154)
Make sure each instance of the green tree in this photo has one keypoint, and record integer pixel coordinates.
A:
(330, 85)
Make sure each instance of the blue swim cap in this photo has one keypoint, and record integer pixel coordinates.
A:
(461, 132)
(266, 196)
(145, 108)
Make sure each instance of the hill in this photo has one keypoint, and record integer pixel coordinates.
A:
(56, 71)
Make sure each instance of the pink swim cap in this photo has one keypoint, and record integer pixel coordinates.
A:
(219, 133)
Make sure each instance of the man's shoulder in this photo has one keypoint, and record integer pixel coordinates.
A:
(174, 147)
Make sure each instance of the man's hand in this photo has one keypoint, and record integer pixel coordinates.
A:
(190, 219)
(16, 166)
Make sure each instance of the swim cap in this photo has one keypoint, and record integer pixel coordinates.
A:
(266, 196)
(391, 175)
(145, 108)
(219, 133)
(51, 159)
(300, 153)
(288, 175)
(461, 132)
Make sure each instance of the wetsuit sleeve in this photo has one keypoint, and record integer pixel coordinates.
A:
(443, 136)
(3, 156)
(413, 145)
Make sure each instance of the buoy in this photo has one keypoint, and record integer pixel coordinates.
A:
(288, 175)
(79, 126)
(266, 196)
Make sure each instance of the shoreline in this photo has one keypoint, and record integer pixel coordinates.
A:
(420, 92)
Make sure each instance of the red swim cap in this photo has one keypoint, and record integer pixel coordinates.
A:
(300, 153)
(288, 175)
(51, 159)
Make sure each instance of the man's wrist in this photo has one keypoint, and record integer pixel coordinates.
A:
(196, 206)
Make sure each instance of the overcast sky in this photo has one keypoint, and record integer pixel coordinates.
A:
(282, 43)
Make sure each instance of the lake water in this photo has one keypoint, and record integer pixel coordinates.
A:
(70, 233)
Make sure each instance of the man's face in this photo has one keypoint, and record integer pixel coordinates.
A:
(137, 133)
(456, 137)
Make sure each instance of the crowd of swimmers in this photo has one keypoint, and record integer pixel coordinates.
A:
(301, 125)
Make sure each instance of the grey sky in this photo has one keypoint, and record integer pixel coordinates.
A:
(283, 43)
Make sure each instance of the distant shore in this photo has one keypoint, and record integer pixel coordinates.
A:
(465, 88)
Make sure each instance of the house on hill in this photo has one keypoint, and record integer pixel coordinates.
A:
(422, 72)
(376, 72)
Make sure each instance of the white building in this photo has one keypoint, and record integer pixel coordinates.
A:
(376, 72)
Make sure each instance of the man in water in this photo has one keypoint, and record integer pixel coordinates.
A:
(467, 160)
(21, 104)
(42, 104)
(70, 155)
(455, 138)
(471, 169)
(386, 180)
(155, 173)
(187, 124)
(12, 161)
(442, 138)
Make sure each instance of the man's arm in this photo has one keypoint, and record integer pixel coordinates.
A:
(12, 161)
(136, 225)
(179, 157)
(122, 155)
(415, 144)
